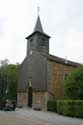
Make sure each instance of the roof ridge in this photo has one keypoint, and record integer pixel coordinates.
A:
(62, 60)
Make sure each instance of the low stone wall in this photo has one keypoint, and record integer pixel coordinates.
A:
(40, 100)
(22, 98)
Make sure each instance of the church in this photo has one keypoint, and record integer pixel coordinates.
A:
(41, 75)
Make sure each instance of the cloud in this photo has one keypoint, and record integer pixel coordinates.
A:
(61, 19)
(15, 25)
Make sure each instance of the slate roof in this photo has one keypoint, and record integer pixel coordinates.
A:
(38, 26)
(38, 29)
(63, 61)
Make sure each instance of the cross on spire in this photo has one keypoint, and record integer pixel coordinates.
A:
(38, 8)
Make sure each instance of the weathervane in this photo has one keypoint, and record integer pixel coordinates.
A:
(38, 8)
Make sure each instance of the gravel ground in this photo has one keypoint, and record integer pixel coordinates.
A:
(27, 116)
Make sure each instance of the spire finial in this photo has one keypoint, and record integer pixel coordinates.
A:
(38, 8)
(38, 26)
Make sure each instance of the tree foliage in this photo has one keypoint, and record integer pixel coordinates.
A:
(73, 87)
(8, 81)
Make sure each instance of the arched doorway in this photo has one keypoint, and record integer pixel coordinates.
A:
(30, 96)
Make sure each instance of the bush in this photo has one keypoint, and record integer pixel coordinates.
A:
(73, 108)
(73, 87)
(60, 107)
(51, 106)
(66, 107)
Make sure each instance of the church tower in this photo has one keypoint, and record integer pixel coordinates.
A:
(38, 40)
(33, 70)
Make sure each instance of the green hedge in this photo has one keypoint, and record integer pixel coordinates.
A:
(73, 108)
(51, 106)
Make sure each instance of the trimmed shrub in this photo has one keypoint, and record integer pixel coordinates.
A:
(60, 107)
(66, 107)
(51, 106)
(73, 108)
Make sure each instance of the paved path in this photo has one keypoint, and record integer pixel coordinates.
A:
(32, 117)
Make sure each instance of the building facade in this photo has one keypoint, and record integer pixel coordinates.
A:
(41, 75)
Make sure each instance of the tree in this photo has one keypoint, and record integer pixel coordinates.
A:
(8, 81)
(12, 71)
(4, 62)
(73, 87)
(3, 81)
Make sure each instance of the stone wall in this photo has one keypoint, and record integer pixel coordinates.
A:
(56, 76)
(22, 98)
(40, 100)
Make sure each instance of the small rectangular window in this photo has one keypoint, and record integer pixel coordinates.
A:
(42, 42)
(65, 76)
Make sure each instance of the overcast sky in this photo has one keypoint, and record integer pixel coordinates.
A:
(61, 19)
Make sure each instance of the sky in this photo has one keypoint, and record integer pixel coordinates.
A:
(61, 19)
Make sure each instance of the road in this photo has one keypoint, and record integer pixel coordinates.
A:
(32, 117)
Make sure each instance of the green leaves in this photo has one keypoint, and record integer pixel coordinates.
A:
(73, 86)
(8, 81)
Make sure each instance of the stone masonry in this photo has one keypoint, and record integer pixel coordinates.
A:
(56, 76)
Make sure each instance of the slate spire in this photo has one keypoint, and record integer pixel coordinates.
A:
(38, 26)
